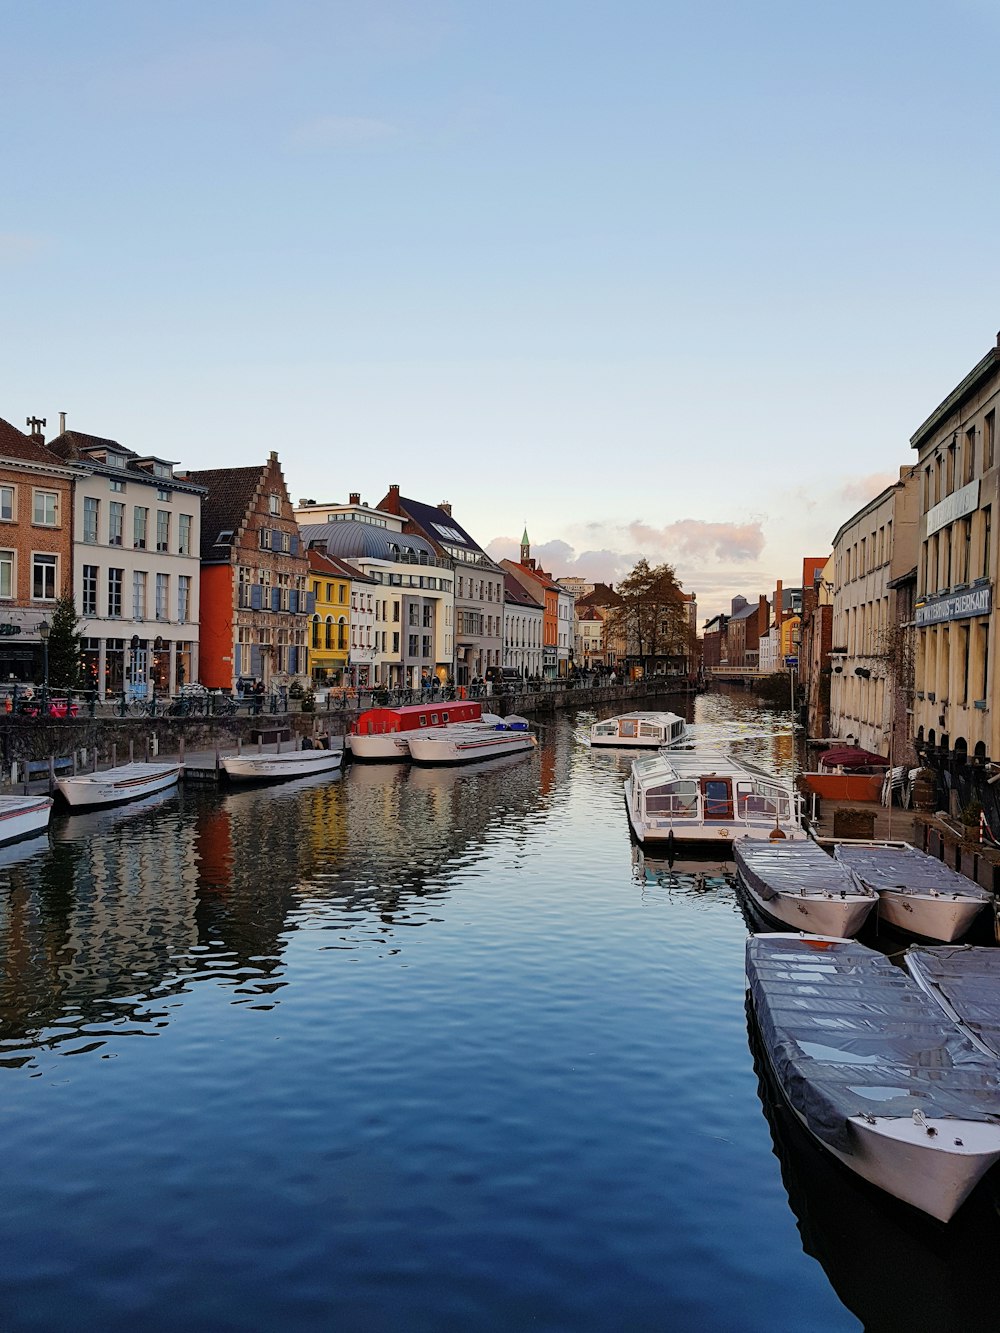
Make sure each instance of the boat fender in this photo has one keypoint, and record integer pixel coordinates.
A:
(671, 842)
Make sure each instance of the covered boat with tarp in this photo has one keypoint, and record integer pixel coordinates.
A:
(874, 1070)
(916, 893)
(965, 981)
(797, 884)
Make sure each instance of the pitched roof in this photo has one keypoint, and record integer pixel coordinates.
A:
(515, 591)
(602, 595)
(333, 567)
(72, 443)
(435, 523)
(231, 491)
(15, 444)
(532, 579)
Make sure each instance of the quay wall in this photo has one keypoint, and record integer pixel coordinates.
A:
(25, 739)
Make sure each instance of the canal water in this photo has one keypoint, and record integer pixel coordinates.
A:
(419, 1050)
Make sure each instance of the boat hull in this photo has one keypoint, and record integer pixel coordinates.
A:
(391, 746)
(23, 816)
(816, 915)
(281, 767)
(118, 785)
(929, 917)
(468, 750)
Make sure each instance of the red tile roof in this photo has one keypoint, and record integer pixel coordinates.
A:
(15, 444)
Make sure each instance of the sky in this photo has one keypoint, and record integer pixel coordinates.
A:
(651, 278)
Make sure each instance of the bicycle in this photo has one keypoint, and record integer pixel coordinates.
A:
(126, 707)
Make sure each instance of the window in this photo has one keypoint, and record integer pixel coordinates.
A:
(989, 439)
(265, 539)
(163, 529)
(342, 593)
(139, 594)
(161, 494)
(184, 534)
(8, 507)
(116, 485)
(116, 523)
(395, 644)
(274, 504)
(43, 577)
(427, 645)
(89, 590)
(414, 614)
(45, 512)
(987, 536)
(139, 528)
(412, 641)
(969, 455)
(91, 518)
(6, 573)
(965, 551)
(162, 596)
(183, 598)
(115, 579)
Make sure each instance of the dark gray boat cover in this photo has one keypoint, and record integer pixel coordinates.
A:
(773, 868)
(968, 977)
(848, 1033)
(906, 870)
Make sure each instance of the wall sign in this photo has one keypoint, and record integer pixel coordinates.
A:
(956, 606)
(956, 505)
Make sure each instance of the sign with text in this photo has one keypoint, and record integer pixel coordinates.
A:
(956, 505)
(7, 630)
(956, 606)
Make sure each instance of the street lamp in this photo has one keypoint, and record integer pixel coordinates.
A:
(44, 630)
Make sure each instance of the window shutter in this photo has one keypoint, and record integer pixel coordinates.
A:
(293, 661)
(275, 599)
(294, 547)
(293, 600)
(311, 603)
(256, 597)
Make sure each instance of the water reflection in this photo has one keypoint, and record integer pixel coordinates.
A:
(891, 1266)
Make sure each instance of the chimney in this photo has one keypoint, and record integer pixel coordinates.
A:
(354, 498)
(392, 500)
(779, 605)
(62, 423)
(445, 507)
(763, 614)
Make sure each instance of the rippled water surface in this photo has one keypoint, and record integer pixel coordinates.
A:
(413, 1049)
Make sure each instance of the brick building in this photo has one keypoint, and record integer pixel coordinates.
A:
(255, 605)
(36, 532)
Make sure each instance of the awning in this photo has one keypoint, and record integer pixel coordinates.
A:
(851, 756)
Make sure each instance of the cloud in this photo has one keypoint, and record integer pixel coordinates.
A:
(561, 559)
(859, 490)
(341, 132)
(696, 539)
(18, 247)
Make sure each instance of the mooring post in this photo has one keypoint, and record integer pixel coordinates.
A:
(114, 754)
(52, 773)
(180, 748)
(131, 749)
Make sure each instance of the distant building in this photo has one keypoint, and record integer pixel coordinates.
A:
(523, 628)
(558, 603)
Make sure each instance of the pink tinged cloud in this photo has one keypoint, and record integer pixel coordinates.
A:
(693, 538)
(859, 490)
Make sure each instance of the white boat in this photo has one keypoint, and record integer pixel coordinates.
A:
(467, 742)
(917, 894)
(643, 731)
(797, 884)
(383, 733)
(280, 767)
(685, 796)
(23, 816)
(874, 1070)
(127, 782)
(964, 980)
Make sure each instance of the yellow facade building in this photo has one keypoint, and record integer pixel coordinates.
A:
(330, 583)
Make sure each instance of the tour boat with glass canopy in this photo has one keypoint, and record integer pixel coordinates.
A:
(701, 796)
(639, 731)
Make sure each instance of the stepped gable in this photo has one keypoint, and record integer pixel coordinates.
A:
(231, 492)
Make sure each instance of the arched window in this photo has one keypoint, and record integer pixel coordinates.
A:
(316, 642)
(342, 633)
(329, 632)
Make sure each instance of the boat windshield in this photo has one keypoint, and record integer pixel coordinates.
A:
(678, 800)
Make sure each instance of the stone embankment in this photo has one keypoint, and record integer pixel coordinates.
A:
(24, 741)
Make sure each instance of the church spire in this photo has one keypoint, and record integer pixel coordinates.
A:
(525, 546)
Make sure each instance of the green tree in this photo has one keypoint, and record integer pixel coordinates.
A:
(64, 646)
(653, 617)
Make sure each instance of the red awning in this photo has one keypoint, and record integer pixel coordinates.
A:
(851, 756)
